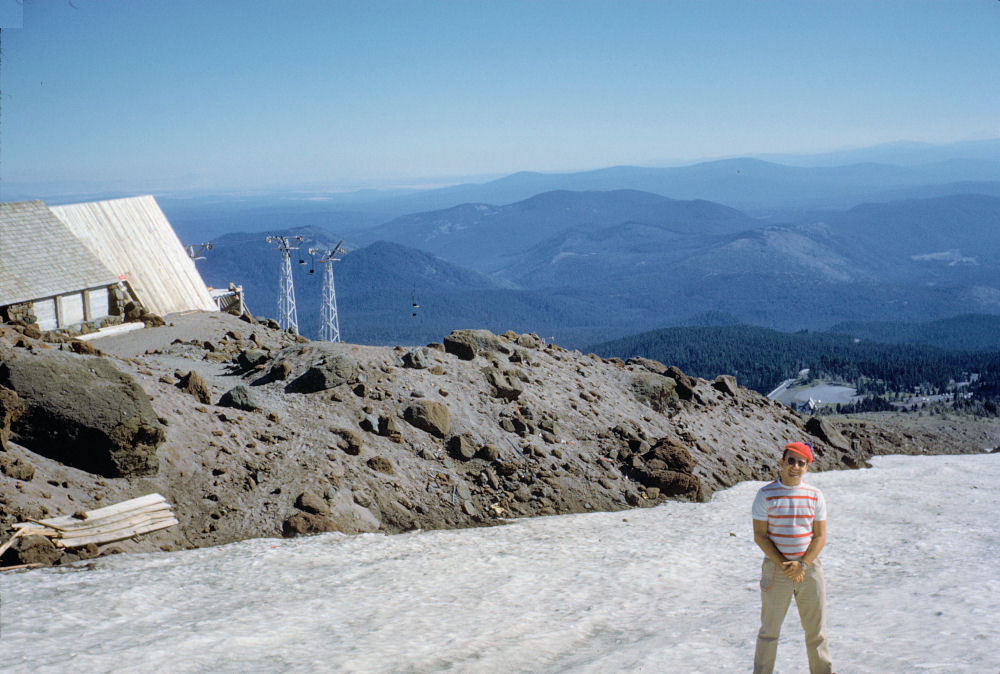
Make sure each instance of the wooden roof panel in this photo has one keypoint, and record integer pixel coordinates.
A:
(133, 238)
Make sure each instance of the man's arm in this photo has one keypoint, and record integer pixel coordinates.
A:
(817, 542)
(766, 544)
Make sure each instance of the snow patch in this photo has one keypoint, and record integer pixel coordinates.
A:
(951, 257)
(910, 564)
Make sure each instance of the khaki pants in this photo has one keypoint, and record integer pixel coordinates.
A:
(776, 591)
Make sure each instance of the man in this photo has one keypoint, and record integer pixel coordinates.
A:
(789, 525)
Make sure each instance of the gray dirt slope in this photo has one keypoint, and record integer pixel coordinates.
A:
(480, 429)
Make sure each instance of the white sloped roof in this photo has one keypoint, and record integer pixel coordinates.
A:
(134, 239)
(40, 257)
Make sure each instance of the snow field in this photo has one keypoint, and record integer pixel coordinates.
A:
(911, 562)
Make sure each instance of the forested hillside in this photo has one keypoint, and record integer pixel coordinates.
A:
(761, 358)
(970, 332)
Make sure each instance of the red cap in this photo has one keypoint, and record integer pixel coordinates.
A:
(802, 449)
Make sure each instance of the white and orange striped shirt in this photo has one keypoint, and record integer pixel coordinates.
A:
(790, 512)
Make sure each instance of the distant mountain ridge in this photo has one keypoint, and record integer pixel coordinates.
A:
(776, 186)
(584, 265)
(378, 285)
(623, 254)
(488, 237)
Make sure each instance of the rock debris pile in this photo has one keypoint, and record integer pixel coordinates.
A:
(249, 431)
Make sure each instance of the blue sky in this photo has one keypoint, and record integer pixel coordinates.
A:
(227, 94)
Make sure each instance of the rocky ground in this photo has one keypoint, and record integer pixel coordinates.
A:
(249, 432)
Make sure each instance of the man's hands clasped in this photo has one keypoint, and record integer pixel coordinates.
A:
(794, 571)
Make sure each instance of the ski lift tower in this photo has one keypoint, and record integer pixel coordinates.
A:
(197, 254)
(329, 323)
(287, 317)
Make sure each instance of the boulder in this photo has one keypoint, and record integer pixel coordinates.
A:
(653, 366)
(16, 468)
(348, 441)
(671, 482)
(674, 455)
(83, 412)
(467, 343)
(727, 384)
(505, 384)
(11, 409)
(84, 348)
(529, 341)
(310, 502)
(824, 430)
(133, 312)
(33, 550)
(196, 385)
(307, 523)
(152, 320)
(668, 466)
(239, 398)
(251, 358)
(418, 359)
(280, 371)
(463, 446)
(429, 416)
(674, 373)
(328, 372)
(381, 465)
(489, 452)
(388, 428)
(657, 391)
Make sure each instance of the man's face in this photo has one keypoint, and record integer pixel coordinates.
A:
(793, 467)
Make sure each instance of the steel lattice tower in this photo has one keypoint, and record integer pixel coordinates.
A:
(287, 317)
(329, 323)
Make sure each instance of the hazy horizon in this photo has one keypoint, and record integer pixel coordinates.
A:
(145, 96)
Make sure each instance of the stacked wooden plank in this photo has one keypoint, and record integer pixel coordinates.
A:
(104, 525)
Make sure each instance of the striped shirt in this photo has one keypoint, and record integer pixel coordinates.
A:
(790, 512)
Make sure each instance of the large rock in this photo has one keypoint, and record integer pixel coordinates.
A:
(529, 341)
(328, 372)
(33, 550)
(83, 412)
(16, 468)
(418, 359)
(674, 455)
(653, 366)
(505, 384)
(311, 502)
(307, 523)
(467, 343)
(251, 358)
(239, 398)
(685, 384)
(668, 466)
(463, 446)
(347, 440)
(727, 384)
(11, 409)
(196, 385)
(657, 391)
(429, 416)
(827, 432)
